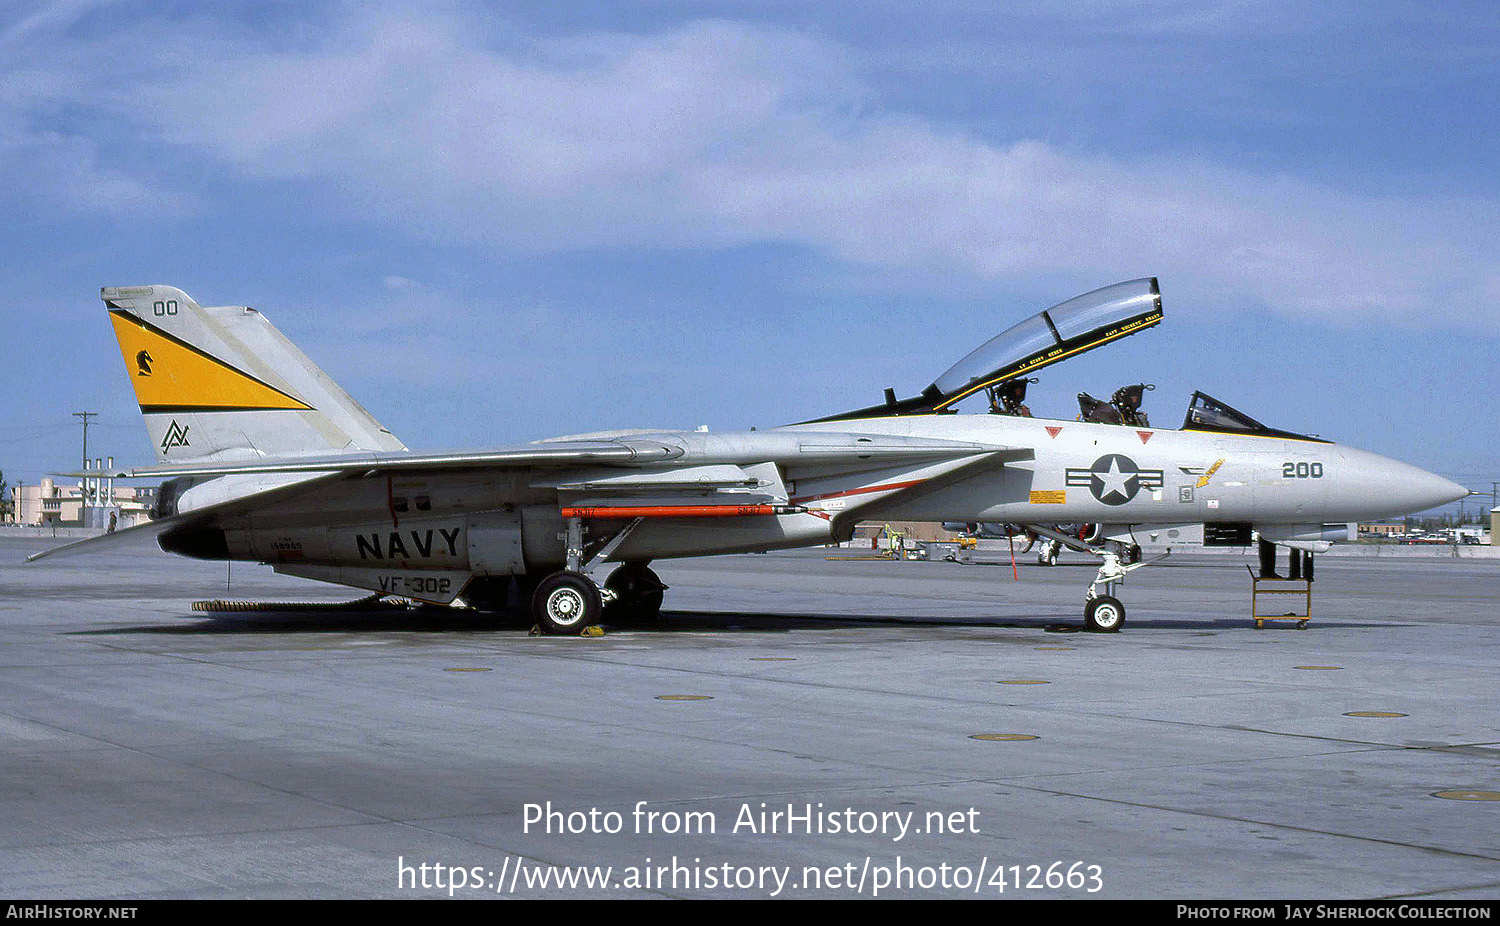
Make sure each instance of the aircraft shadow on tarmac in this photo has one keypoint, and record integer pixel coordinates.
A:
(343, 619)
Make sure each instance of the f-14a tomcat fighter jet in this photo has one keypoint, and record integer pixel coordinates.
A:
(266, 459)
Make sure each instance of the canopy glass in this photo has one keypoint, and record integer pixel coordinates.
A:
(1068, 328)
(1206, 413)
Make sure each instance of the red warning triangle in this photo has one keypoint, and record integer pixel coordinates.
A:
(1145, 435)
(1054, 431)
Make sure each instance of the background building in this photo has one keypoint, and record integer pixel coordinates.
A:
(51, 505)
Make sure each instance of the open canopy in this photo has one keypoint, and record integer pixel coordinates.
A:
(1068, 328)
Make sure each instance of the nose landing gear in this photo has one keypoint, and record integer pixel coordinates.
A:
(1103, 613)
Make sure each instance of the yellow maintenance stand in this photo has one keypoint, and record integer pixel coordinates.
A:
(1281, 593)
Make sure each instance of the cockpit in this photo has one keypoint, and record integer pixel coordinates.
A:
(1206, 413)
(1000, 367)
(1065, 330)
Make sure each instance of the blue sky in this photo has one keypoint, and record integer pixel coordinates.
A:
(493, 223)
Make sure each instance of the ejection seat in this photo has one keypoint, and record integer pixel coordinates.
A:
(1127, 401)
(1124, 407)
(1009, 397)
(1097, 412)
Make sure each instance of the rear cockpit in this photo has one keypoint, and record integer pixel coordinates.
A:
(1000, 368)
(1065, 330)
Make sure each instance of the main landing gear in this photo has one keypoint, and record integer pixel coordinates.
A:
(569, 601)
(566, 602)
(637, 595)
(1102, 613)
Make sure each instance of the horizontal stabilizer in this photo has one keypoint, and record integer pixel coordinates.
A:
(127, 537)
(153, 530)
(553, 455)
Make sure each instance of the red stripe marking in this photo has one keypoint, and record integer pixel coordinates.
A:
(890, 486)
(671, 511)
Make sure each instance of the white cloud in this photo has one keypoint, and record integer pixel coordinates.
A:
(718, 133)
(49, 160)
(57, 170)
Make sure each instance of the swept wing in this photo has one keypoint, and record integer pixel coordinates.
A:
(680, 449)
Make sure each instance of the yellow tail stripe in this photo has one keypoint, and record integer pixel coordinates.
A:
(168, 373)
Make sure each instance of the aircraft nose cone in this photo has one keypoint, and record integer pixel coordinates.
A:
(1420, 490)
(1432, 490)
(1380, 487)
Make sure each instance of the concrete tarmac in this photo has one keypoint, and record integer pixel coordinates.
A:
(150, 751)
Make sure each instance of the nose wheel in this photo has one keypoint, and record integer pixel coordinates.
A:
(1104, 614)
(1102, 611)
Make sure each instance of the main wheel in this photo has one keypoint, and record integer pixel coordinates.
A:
(1104, 614)
(639, 594)
(566, 602)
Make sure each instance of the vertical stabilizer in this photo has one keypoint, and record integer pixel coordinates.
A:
(221, 382)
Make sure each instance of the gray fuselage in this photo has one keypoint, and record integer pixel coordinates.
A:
(440, 529)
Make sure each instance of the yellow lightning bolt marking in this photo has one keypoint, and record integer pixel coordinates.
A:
(1203, 480)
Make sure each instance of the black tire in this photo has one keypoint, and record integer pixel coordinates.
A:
(1104, 615)
(566, 603)
(640, 595)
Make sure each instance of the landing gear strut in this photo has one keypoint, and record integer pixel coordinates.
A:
(1047, 555)
(1102, 613)
(569, 601)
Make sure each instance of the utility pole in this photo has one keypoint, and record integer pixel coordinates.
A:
(85, 416)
